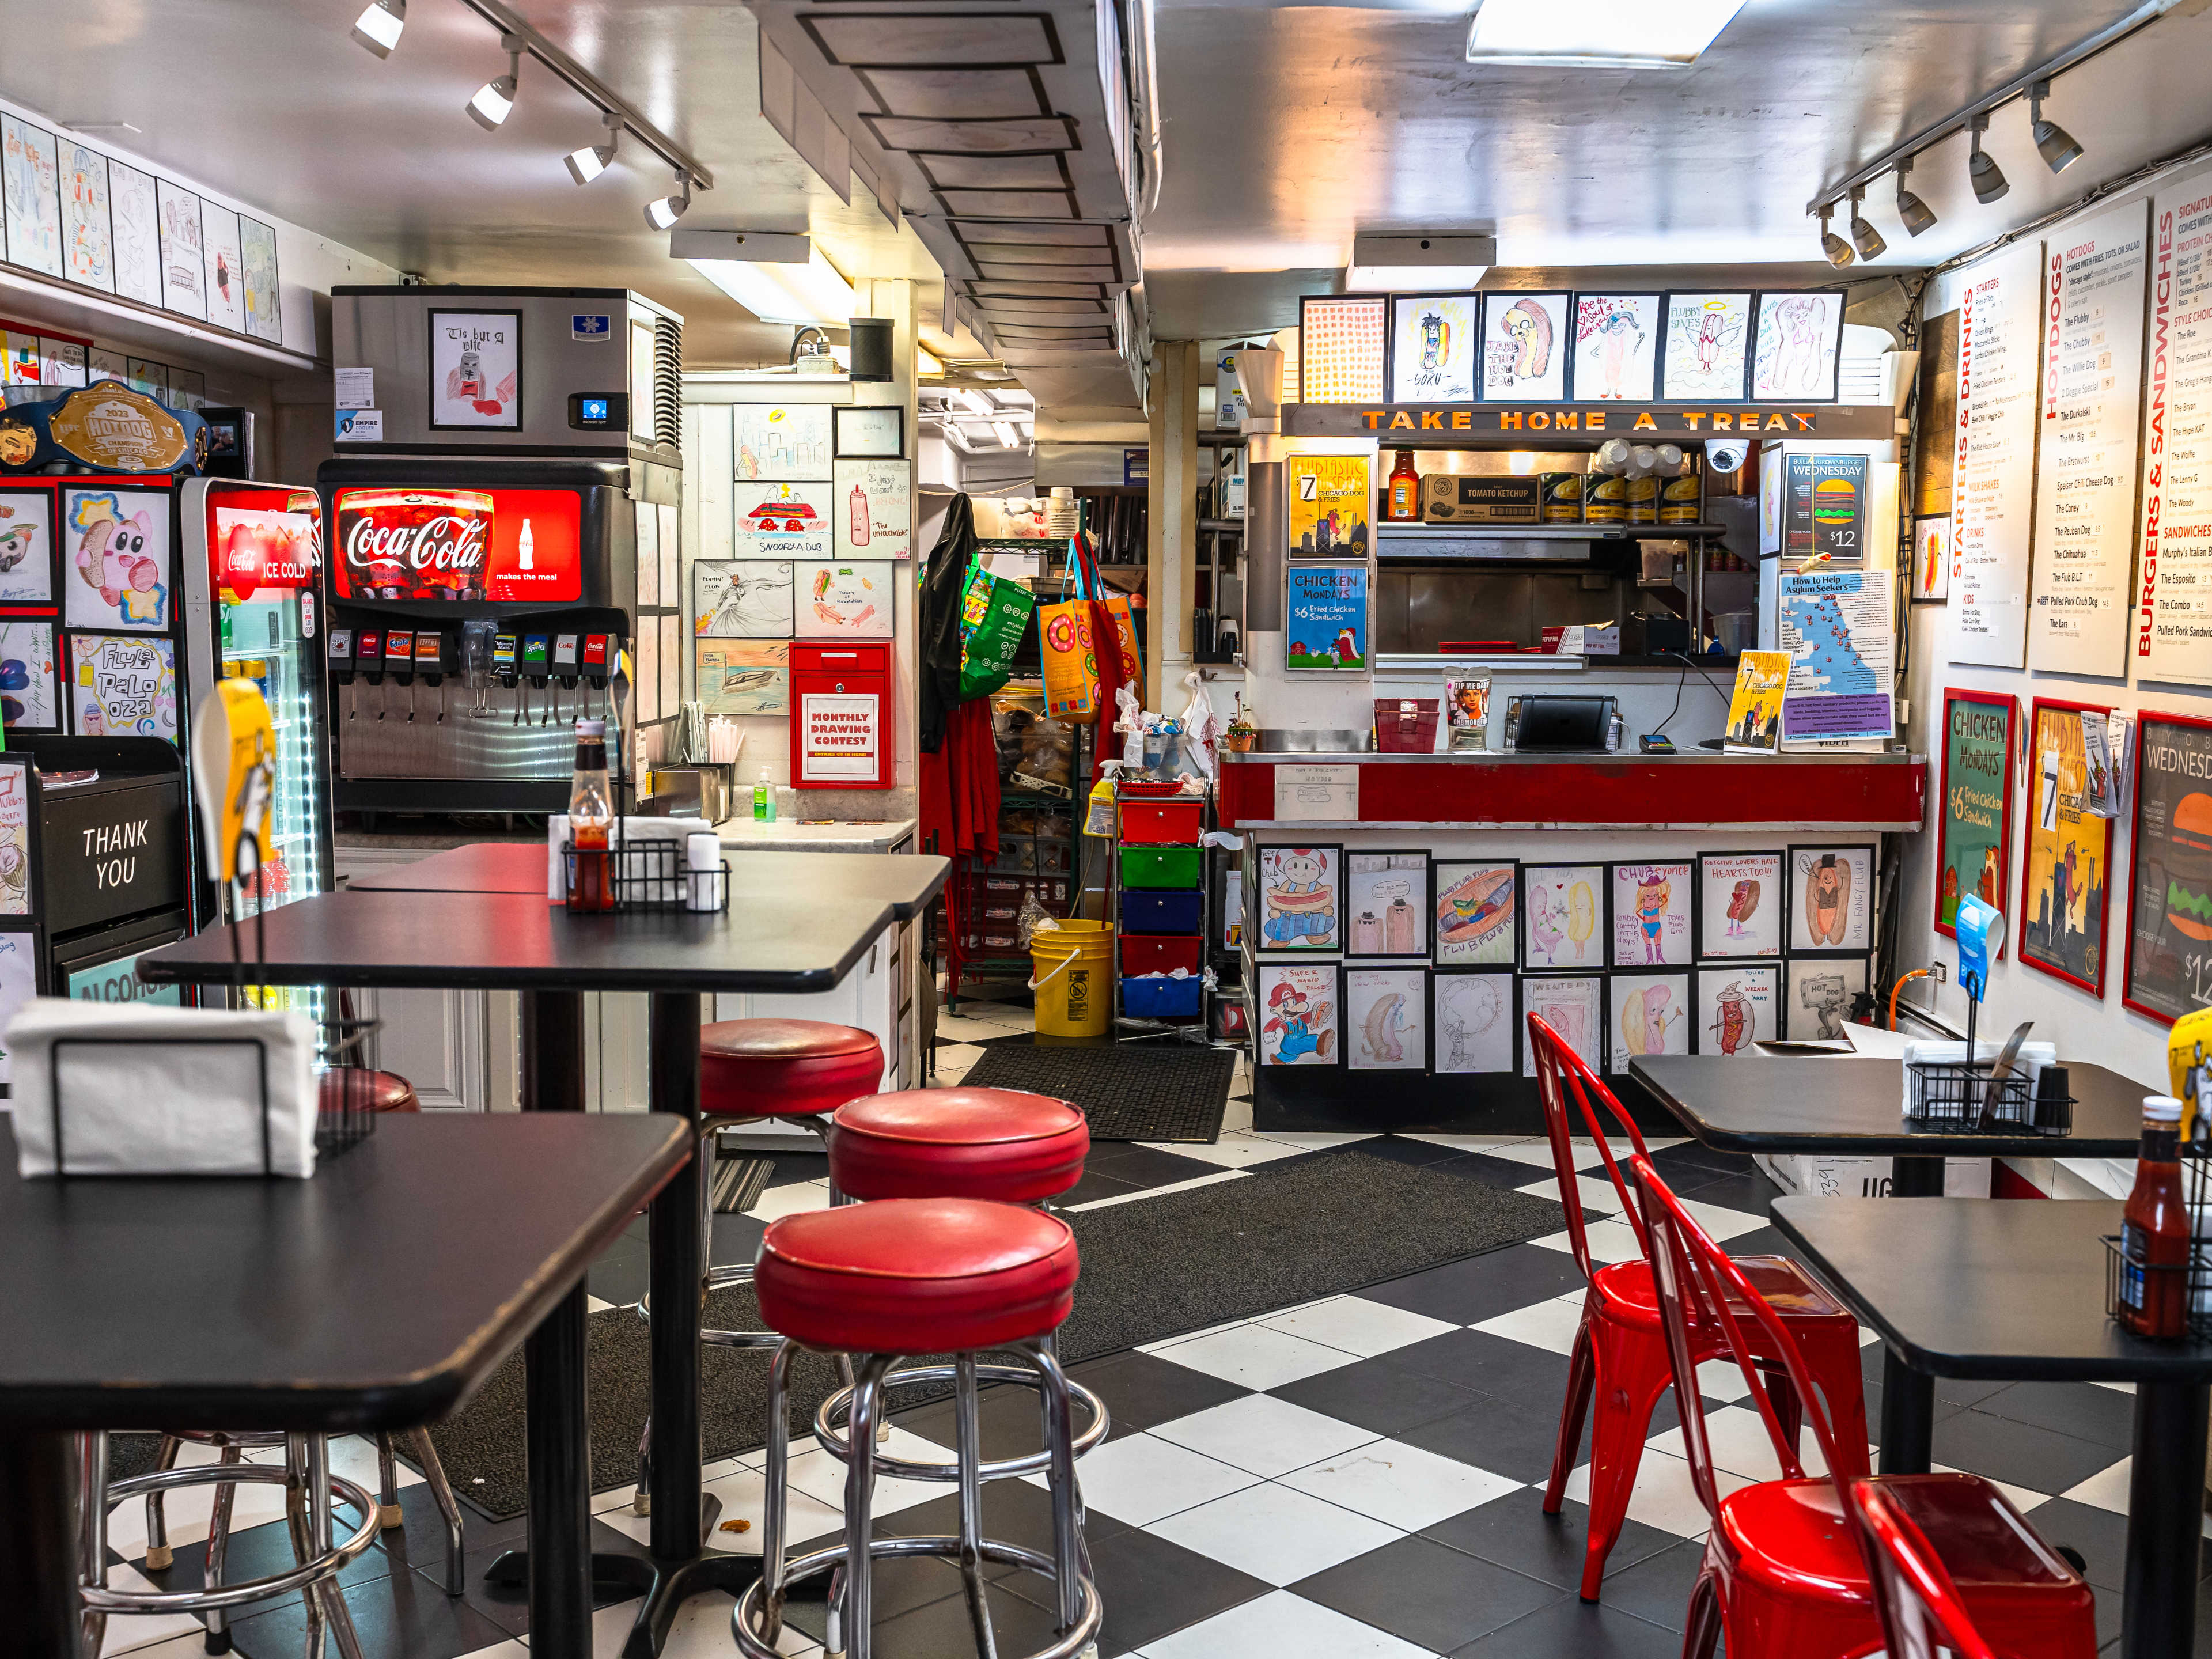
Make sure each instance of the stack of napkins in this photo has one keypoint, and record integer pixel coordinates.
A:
(143, 1092)
(630, 832)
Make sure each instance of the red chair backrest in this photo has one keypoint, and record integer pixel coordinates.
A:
(1922, 1615)
(1701, 1290)
(1561, 1075)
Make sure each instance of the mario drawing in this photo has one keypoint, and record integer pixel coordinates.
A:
(1292, 1014)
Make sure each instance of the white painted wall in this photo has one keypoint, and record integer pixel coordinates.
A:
(2085, 1026)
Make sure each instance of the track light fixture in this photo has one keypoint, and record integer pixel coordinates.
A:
(1914, 213)
(2053, 142)
(588, 163)
(664, 213)
(494, 102)
(378, 26)
(1987, 178)
(1864, 236)
(1838, 250)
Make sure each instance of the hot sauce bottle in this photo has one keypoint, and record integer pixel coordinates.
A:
(2154, 1237)
(1404, 505)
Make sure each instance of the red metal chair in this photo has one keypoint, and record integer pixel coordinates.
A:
(1920, 1607)
(1619, 1358)
(1785, 1574)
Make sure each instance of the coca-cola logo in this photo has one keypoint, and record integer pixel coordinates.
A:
(449, 542)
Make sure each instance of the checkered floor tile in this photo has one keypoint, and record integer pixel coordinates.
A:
(1358, 1476)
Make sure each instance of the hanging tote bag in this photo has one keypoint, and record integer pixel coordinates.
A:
(1068, 638)
(1117, 605)
(994, 614)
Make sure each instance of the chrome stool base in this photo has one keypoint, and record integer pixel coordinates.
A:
(312, 1493)
(747, 1615)
(830, 1416)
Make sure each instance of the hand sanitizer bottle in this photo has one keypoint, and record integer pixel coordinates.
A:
(763, 799)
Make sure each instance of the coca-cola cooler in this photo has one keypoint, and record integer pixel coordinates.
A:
(502, 543)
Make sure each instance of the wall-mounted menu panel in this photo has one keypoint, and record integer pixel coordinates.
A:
(1993, 486)
(2090, 412)
(2174, 604)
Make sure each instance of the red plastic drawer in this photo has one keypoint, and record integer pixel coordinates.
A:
(1161, 822)
(1161, 954)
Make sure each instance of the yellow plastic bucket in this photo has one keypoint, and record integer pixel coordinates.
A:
(1072, 972)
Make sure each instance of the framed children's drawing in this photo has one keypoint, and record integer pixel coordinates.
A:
(1476, 912)
(1386, 903)
(1740, 900)
(1386, 1019)
(1563, 916)
(1654, 914)
(1300, 901)
(1651, 1016)
(1296, 1004)
(1475, 1024)
(1830, 900)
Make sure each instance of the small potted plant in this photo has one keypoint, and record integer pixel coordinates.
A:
(1240, 734)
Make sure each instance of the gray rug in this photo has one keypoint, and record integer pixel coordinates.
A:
(1128, 1090)
(1152, 1268)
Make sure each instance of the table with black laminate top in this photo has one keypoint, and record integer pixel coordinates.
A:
(797, 922)
(328, 1305)
(2015, 1289)
(1852, 1106)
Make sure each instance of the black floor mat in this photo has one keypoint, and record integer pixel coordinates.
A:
(1129, 1091)
(1152, 1268)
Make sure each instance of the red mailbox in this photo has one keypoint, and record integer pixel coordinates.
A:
(841, 715)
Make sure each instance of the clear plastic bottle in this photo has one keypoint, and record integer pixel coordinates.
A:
(590, 820)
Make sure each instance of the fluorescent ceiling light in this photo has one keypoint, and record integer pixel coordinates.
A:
(1383, 264)
(1009, 436)
(784, 292)
(926, 361)
(1599, 34)
(978, 402)
(957, 439)
(378, 27)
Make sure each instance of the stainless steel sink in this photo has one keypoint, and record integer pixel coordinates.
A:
(1310, 742)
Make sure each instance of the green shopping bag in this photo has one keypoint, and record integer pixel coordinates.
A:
(995, 613)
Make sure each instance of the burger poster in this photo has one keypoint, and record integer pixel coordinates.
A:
(2061, 922)
(1824, 508)
(1975, 814)
(2169, 908)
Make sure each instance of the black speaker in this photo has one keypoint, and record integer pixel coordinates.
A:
(872, 347)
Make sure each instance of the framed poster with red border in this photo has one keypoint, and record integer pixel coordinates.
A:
(2066, 853)
(2169, 971)
(1973, 815)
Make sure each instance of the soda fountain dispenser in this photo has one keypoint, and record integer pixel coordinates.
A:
(496, 536)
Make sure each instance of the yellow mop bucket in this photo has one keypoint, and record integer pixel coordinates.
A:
(1072, 972)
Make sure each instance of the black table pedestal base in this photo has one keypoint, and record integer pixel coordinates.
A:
(38, 1543)
(1908, 1397)
(2165, 1511)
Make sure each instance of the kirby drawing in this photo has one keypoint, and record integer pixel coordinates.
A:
(121, 559)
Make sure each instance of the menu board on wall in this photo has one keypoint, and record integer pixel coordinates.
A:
(1993, 483)
(2084, 488)
(2173, 623)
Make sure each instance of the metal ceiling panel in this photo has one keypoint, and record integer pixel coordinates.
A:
(1030, 277)
(870, 40)
(1013, 204)
(1004, 136)
(994, 171)
(952, 93)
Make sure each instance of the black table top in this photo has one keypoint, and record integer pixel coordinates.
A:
(378, 1295)
(1984, 1287)
(798, 921)
(1849, 1105)
(520, 867)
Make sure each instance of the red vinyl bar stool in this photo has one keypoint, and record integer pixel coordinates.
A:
(1004, 1145)
(1619, 1358)
(794, 1071)
(1785, 1574)
(916, 1275)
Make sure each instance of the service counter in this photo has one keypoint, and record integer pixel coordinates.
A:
(1448, 815)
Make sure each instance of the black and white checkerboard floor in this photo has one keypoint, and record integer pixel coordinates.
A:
(1359, 1478)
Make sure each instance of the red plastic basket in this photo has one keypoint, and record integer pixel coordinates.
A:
(1405, 725)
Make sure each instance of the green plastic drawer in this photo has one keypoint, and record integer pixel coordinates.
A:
(1162, 866)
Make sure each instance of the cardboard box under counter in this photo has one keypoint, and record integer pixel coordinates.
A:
(1455, 498)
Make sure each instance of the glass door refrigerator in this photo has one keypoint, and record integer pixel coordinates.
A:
(253, 559)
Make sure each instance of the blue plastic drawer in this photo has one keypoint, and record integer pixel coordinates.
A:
(1162, 999)
(1161, 910)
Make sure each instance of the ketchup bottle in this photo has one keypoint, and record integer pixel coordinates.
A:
(1402, 499)
(591, 816)
(2155, 1234)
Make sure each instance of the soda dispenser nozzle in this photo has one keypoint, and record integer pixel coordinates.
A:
(341, 664)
